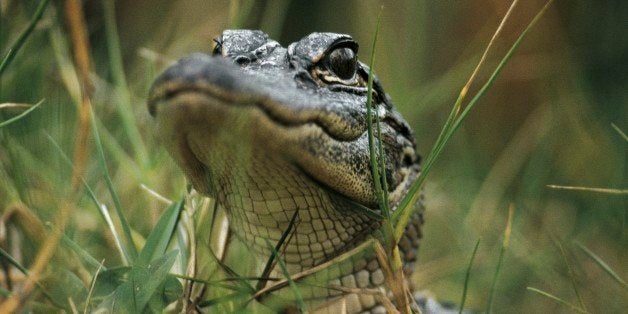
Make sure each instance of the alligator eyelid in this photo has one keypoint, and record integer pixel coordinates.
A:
(357, 90)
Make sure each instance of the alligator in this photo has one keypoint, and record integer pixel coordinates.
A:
(273, 133)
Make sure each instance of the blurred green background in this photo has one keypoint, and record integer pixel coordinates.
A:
(547, 120)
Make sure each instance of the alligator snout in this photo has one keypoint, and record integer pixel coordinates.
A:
(200, 73)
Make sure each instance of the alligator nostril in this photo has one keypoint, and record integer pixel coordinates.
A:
(242, 61)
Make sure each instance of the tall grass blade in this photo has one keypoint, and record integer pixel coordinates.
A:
(220, 281)
(293, 286)
(160, 236)
(498, 69)
(588, 189)
(119, 81)
(102, 210)
(4, 254)
(143, 282)
(620, 132)
(369, 121)
(156, 195)
(129, 249)
(557, 299)
(77, 29)
(21, 115)
(468, 276)
(602, 264)
(402, 214)
(382, 169)
(70, 80)
(455, 110)
(13, 261)
(157, 271)
(377, 168)
(271, 260)
(362, 248)
(14, 105)
(82, 253)
(92, 285)
(500, 261)
(239, 279)
(19, 42)
(572, 275)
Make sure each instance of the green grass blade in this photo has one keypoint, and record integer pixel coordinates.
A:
(271, 260)
(129, 248)
(455, 110)
(450, 127)
(557, 299)
(588, 189)
(24, 271)
(293, 286)
(402, 214)
(500, 261)
(572, 275)
(182, 240)
(602, 264)
(382, 169)
(102, 210)
(13, 50)
(134, 294)
(88, 258)
(468, 276)
(13, 261)
(158, 271)
(21, 115)
(68, 77)
(119, 81)
(239, 279)
(498, 69)
(369, 123)
(161, 234)
(620, 132)
(92, 285)
(220, 281)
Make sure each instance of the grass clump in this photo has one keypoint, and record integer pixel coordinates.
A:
(113, 238)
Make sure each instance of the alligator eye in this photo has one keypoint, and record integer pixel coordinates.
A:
(343, 62)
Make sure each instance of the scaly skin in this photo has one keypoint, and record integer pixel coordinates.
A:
(269, 131)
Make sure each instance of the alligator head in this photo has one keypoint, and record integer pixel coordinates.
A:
(269, 131)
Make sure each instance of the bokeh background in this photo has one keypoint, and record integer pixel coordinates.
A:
(547, 120)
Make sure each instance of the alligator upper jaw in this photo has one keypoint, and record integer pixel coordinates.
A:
(199, 74)
(277, 94)
(206, 108)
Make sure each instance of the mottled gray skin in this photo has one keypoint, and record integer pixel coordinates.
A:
(269, 131)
